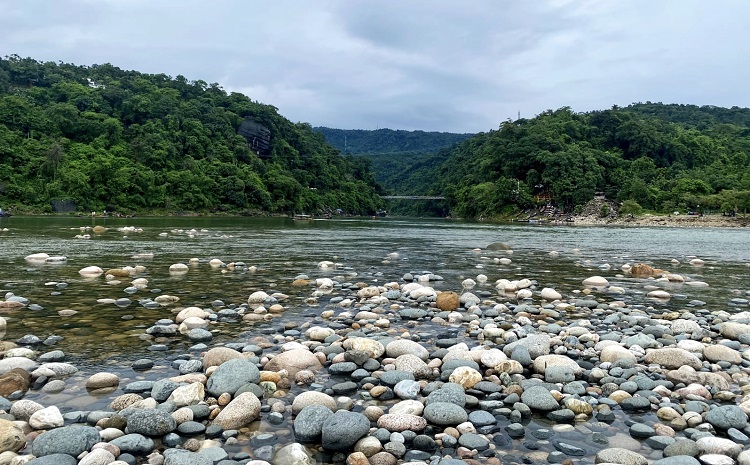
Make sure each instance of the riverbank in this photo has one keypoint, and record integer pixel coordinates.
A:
(680, 221)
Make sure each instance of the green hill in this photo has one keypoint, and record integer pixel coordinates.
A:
(103, 137)
(661, 157)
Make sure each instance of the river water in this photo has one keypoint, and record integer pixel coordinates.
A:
(282, 249)
(105, 337)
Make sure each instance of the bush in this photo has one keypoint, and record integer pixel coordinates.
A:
(604, 211)
(631, 207)
(578, 210)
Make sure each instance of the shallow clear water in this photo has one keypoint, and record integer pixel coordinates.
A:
(281, 249)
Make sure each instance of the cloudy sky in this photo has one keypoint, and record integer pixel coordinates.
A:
(434, 65)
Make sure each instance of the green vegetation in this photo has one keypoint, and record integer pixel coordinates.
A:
(663, 158)
(630, 207)
(108, 138)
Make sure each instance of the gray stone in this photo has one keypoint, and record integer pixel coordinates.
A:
(232, 375)
(559, 374)
(620, 456)
(393, 377)
(536, 344)
(727, 416)
(678, 460)
(539, 398)
(641, 430)
(70, 440)
(473, 441)
(150, 422)
(342, 429)
(308, 425)
(407, 389)
(682, 447)
(200, 335)
(54, 459)
(136, 444)
(481, 418)
(449, 392)
(444, 413)
(162, 389)
(184, 457)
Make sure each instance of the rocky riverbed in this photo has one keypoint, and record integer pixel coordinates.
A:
(383, 372)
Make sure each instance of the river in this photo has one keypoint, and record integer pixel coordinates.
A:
(282, 249)
(102, 336)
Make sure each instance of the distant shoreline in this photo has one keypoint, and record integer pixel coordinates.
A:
(677, 221)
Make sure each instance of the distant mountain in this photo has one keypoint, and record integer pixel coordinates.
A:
(361, 141)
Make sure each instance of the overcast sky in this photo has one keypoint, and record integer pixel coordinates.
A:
(434, 65)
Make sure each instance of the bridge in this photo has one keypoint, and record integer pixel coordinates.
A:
(412, 197)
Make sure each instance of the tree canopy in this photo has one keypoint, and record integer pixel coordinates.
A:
(663, 157)
(104, 137)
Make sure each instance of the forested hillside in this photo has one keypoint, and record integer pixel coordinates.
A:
(108, 138)
(360, 141)
(659, 157)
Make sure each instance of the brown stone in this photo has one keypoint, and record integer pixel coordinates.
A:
(357, 458)
(16, 379)
(219, 355)
(293, 361)
(271, 376)
(301, 282)
(11, 304)
(641, 270)
(448, 301)
(124, 401)
(118, 273)
(383, 458)
(102, 380)
(11, 437)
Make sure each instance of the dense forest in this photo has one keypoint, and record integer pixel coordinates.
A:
(656, 157)
(105, 138)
